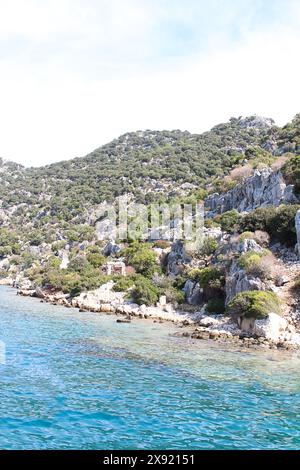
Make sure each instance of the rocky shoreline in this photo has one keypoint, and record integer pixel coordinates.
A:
(196, 325)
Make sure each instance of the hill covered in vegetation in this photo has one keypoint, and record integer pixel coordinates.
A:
(151, 165)
(48, 215)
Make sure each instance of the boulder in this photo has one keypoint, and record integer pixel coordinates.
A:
(111, 249)
(239, 281)
(272, 328)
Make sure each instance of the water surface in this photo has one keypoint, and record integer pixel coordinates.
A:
(82, 381)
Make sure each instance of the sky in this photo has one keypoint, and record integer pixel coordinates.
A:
(75, 74)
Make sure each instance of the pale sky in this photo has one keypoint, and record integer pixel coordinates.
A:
(74, 74)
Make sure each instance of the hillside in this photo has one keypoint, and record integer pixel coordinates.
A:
(248, 173)
(151, 164)
(51, 202)
(144, 163)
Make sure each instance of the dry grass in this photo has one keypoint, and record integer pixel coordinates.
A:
(280, 161)
(240, 173)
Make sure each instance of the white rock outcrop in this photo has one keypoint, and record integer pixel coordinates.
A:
(272, 328)
(93, 300)
(265, 187)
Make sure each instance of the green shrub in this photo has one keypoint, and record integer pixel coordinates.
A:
(174, 295)
(216, 306)
(122, 284)
(291, 172)
(78, 264)
(208, 246)
(259, 158)
(144, 291)
(229, 221)
(211, 223)
(258, 264)
(96, 259)
(279, 222)
(282, 226)
(142, 258)
(5, 251)
(254, 304)
(246, 236)
(248, 259)
(208, 277)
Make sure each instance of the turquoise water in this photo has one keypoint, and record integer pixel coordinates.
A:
(82, 381)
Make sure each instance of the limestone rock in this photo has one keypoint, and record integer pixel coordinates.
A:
(177, 258)
(271, 328)
(64, 256)
(193, 292)
(265, 187)
(238, 280)
(95, 299)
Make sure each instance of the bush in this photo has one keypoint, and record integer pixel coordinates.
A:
(249, 259)
(291, 172)
(208, 277)
(229, 221)
(279, 222)
(142, 258)
(122, 283)
(258, 264)
(254, 304)
(216, 306)
(78, 264)
(258, 219)
(246, 236)
(211, 280)
(144, 291)
(208, 247)
(282, 226)
(174, 295)
(211, 223)
(96, 259)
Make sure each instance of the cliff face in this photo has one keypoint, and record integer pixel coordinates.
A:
(266, 187)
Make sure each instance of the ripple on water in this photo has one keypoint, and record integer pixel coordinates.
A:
(81, 381)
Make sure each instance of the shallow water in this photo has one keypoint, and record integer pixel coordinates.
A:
(82, 381)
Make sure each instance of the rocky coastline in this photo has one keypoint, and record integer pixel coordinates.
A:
(192, 323)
